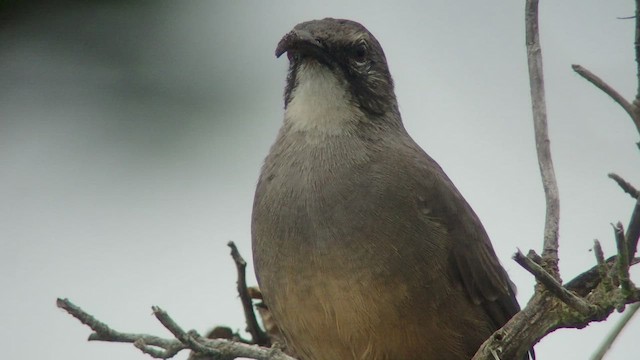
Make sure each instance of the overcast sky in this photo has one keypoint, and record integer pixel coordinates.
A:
(132, 134)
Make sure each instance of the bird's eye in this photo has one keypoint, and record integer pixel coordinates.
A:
(293, 56)
(360, 52)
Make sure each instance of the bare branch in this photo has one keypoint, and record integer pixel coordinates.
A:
(258, 336)
(626, 186)
(166, 348)
(552, 285)
(545, 313)
(606, 345)
(539, 107)
(103, 332)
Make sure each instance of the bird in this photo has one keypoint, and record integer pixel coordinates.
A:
(363, 248)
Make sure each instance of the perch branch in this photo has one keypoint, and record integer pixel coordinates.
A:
(258, 336)
(545, 313)
(539, 108)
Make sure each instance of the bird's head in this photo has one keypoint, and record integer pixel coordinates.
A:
(337, 62)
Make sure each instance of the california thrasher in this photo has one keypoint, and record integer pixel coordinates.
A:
(363, 247)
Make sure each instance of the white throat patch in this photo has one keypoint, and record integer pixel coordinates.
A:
(320, 103)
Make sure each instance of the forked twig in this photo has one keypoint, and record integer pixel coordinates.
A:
(258, 336)
(553, 285)
(166, 348)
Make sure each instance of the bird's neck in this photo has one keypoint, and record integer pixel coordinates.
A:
(321, 104)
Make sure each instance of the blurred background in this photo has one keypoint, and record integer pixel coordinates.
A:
(132, 134)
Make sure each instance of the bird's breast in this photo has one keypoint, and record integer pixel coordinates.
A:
(343, 250)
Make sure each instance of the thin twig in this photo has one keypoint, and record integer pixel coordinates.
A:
(156, 352)
(258, 336)
(625, 185)
(538, 104)
(611, 338)
(168, 323)
(607, 89)
(188, 338)
(535, 257)
(553, 285)
(603, 267)
(633, 230)
(623, 259)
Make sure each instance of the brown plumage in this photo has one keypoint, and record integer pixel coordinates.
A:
(363, 247)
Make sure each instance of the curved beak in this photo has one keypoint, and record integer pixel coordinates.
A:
(302, 42)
